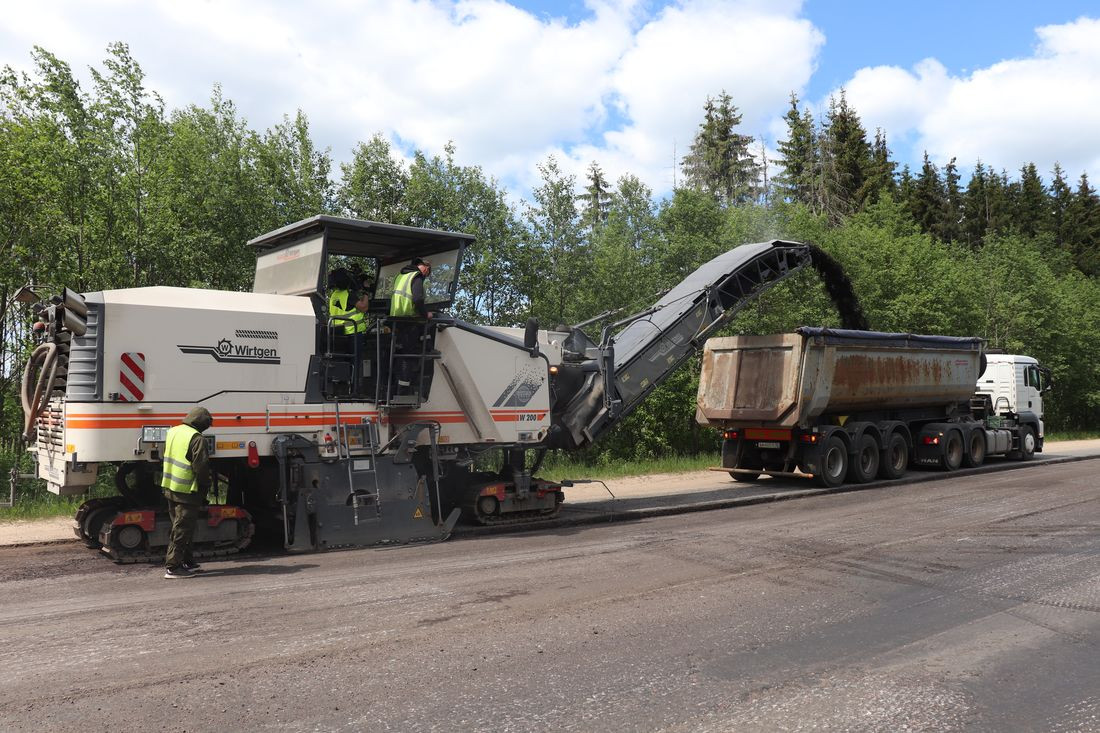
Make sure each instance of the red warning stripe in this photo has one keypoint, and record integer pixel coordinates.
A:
(132, 377)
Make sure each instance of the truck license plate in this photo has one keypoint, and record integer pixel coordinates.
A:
(767, 444)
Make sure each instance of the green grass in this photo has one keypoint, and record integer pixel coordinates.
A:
(558, 467)
(32, 501)
(1071, 435)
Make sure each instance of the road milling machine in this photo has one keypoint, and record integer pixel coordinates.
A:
(312, 441)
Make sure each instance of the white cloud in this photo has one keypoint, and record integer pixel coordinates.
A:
(508, 87)
(1039, 109)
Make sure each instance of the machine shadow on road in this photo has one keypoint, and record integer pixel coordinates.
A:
(254, 569)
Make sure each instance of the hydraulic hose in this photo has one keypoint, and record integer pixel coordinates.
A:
(44, 359)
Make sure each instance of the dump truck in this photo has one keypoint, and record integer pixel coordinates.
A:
(850, 406)
(314, 443)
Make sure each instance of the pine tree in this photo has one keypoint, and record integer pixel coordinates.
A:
(846, 160)
(927, 202)
(880, 174)
(1084, 223)
(975, 218)
(596, 199)
(1031, 208)
(1061, 199)
(951, 219)
(719, 162)
(799, 158)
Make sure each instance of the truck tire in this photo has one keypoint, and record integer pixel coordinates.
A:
(895, 457)
(1027, 445)
(834, 462)
(864, 463)
(974, 455)
(953, 451)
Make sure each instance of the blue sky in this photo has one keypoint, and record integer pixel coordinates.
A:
(621, 82)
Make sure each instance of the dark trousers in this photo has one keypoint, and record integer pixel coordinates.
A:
(185, 517)
(406, 342)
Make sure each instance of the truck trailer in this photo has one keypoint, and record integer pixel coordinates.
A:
(850, 406)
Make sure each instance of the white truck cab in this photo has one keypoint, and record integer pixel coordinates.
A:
(1015, 384)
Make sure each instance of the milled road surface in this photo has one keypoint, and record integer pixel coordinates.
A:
(971, 603)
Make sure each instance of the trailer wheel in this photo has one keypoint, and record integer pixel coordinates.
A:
(975, 449)
(864, 467)
(895, 458)
(834, 462)
(952, 451)
(1027, 445)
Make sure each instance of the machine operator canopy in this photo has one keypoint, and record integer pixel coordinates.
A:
(296, 259)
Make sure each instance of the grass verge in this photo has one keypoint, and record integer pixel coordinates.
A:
(558, 467)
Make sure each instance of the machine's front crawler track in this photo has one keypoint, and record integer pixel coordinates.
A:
(496, 503)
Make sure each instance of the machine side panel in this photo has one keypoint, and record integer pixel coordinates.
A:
(226, 342)
(511, 383)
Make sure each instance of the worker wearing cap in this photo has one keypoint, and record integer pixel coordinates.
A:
(407, 301)
(341, 304)
(185, 480)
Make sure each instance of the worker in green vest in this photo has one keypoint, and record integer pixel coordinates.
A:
(344, 301)
(407, 301)
(185, 480)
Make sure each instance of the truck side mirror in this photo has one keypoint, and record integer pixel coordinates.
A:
(1046, 380)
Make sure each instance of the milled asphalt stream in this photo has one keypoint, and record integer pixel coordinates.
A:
(637, 498)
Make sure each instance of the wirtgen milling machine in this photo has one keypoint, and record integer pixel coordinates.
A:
(311, 439)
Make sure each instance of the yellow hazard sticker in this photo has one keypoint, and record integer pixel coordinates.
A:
(230, 445)
(70, 448)
(418, 514)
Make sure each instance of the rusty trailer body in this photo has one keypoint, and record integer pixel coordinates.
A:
(854, 405)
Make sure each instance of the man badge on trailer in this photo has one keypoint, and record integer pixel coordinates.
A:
(227, 351)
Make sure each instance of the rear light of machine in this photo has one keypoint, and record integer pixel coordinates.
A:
(808, 437)
(930, 440)
(253, 455)
(731, 435)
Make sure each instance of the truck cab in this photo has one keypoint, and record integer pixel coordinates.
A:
(1015, 384)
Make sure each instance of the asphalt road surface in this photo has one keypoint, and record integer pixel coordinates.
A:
(964, 604)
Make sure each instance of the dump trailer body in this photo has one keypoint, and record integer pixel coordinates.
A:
(846, 405)
(792, 380)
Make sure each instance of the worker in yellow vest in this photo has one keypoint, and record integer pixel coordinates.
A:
(344, 301)
(185, 480)
(407, 301)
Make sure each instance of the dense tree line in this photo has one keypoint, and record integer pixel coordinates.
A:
(106, 188)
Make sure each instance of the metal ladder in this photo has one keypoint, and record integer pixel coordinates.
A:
(416, 398)
(343, 453)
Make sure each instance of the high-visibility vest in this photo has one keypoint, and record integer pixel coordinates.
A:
(401, 303)
(177, 475)
(338, 306)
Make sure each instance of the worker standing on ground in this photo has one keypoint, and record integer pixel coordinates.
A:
(185, 481)
(407, 301)
(341, 302)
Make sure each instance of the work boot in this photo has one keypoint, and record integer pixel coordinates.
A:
(180, 572)
(193, 566)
